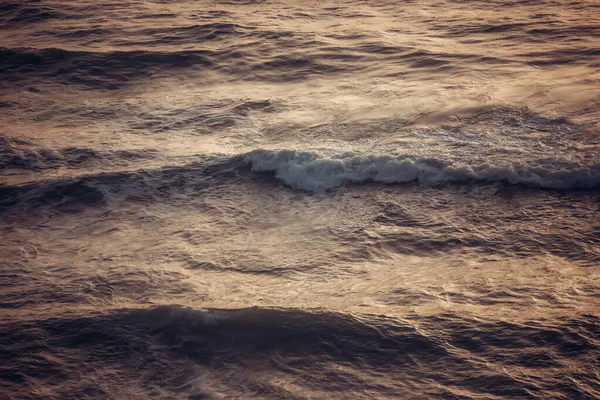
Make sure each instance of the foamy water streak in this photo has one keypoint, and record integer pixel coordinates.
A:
(315, 172)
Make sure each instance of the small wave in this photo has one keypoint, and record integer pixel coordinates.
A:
(317, 173)
(115, 69)
(575, 55)
(76, 193)
(83, 67)
(193, 33)
(13, 14)
(15, 154)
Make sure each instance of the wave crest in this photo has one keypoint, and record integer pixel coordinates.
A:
(317, 173)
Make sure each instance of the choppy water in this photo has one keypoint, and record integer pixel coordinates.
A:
(297, 199)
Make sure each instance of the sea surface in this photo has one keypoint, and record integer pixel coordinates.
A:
(295, 199)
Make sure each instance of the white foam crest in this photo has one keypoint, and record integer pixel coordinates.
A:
(318, 173)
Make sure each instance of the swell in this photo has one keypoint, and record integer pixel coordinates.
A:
(309, 347)
(109, 70)
(77, 193)
(198, 33)
(16, 15)
(202, 33)
(21, 154)
(115, 69)
(238, 61)
(546, 29)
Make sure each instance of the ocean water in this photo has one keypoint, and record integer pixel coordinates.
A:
(288, 199)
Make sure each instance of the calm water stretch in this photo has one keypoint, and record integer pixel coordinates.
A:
(288, 199)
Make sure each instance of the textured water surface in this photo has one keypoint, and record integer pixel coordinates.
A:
(297, 199)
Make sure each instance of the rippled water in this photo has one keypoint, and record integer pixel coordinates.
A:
(297, 199)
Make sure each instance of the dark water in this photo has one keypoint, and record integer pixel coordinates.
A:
(297, 199)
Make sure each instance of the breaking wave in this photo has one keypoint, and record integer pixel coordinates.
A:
(300, 170)
(318, 173)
